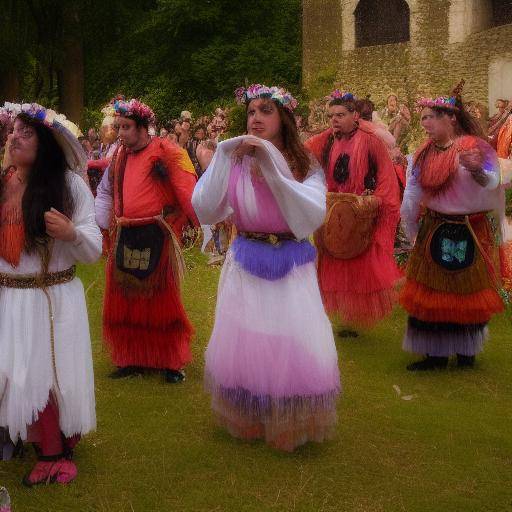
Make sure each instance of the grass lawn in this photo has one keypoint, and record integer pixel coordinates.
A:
(447, 447)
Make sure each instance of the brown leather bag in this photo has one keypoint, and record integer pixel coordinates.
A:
(349, 224)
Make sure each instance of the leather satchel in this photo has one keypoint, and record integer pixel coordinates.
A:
(349, 225)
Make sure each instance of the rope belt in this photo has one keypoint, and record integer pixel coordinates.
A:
(42, 281)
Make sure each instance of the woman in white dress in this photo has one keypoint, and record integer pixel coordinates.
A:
(47, 225)
(271, 364)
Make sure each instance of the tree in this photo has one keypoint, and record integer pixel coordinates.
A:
(174, 54)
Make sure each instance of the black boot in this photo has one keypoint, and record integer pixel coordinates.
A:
(174, 376)
(348, 333)
(126, 371)
(465, 361)
(429, 363)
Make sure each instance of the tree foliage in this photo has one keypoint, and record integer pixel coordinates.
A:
(191, 53)
(174, 54)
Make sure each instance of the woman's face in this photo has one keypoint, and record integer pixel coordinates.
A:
(24, 144)
(438, 126)
(263, 120)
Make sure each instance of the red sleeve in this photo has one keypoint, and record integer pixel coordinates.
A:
(182, 178)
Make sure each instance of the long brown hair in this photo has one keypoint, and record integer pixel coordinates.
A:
(295, 150)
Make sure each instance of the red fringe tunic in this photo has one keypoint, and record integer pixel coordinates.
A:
(148, 326)
(362, 290)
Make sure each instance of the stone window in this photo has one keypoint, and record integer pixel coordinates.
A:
(378, 22)
(501, 12)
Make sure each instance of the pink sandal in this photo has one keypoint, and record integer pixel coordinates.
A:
(62, 471)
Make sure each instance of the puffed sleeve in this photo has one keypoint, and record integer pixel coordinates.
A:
(88, 244)
(103, 201)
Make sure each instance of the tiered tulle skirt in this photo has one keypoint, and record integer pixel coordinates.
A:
(271, 364)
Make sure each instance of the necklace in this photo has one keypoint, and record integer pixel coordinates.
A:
(444, 148)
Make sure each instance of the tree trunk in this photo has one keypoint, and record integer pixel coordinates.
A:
(71, 75)
(10, 85)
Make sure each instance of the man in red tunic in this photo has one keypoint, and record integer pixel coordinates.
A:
(361, 289)
(144, 199)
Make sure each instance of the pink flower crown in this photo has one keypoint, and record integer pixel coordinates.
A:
(134, 108)
(244, 96)
(341, 95)
(448, 102)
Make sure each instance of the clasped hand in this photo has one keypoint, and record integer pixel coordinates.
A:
(59, 226)
(247, 147)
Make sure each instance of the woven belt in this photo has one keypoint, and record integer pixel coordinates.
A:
(269, 238)
(37, 281)
(456, 218)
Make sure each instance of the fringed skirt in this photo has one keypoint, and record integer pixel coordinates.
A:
(271, 364)
(144, 321)
(361, 291)
(450, 291)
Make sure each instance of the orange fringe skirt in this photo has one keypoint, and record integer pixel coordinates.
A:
(449, 309)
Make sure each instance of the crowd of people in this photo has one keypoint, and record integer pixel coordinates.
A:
(134, 190)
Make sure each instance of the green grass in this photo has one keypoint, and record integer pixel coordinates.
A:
(448, 449)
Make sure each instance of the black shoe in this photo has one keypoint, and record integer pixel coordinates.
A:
(174, 376)
(347, 333)
(465, 361)
(429, 363)
(126, 371)
(19, 450)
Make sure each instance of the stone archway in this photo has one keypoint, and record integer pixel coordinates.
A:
(348, 20)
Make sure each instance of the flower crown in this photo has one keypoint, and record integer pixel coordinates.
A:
(244, 96)
(134, 108)
(34, 110)
(448, 102)
(46, 115)
(341, 95)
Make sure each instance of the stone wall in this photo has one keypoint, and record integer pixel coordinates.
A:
(432, 62)
(321, 50)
